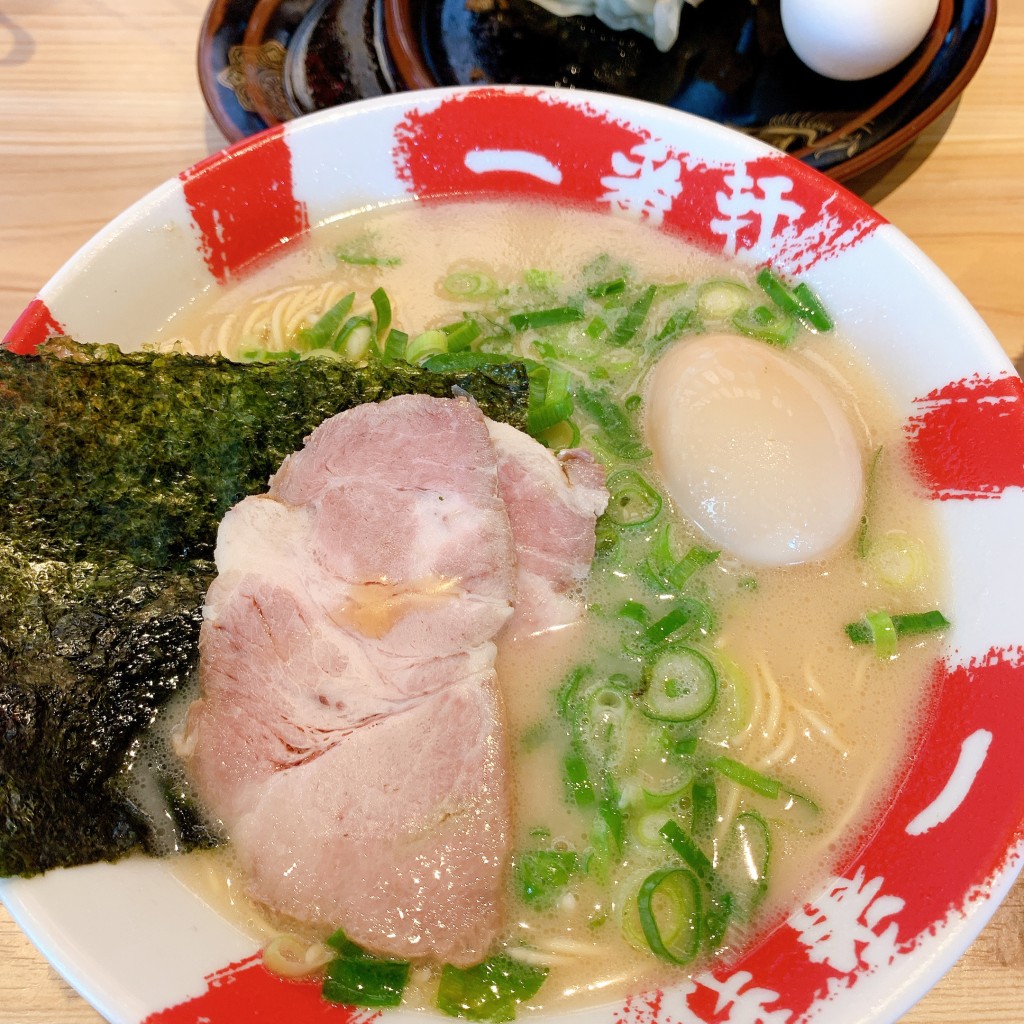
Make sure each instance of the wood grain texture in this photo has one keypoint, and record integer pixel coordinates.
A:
(99, 103)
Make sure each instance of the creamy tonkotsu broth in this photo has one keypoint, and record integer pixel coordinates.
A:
(796, 702)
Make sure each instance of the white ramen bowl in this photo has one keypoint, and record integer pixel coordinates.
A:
(140, 946)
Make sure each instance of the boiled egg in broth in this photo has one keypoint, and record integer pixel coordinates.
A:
(755, 449)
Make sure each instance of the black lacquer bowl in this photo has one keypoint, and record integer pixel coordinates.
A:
(263, 62)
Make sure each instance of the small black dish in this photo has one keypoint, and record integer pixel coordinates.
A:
(264, 61)
(338, 54)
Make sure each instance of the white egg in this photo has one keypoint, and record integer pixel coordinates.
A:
(754, 449)
(855, 39)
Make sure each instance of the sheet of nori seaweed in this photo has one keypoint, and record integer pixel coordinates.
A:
(115, 470)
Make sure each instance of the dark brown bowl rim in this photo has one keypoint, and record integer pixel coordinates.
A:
(402, 42)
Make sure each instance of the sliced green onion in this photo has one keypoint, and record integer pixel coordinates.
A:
(564, 434)
(595, 328)
(765, 324)
(704, 803)
(557, 386)
(748, 777)
(799, 811)
(688, 618)
(428, 343)
(898, 560)
(542, 875)
(576, 777)
(570, 690)
(371, 983)
(490, 991)
(892, 627)
(461, 334)
(381, 310)
(625, 330)
(603, 289)
(356, 978)
(647, 828)
(322, 353)
(541, 280)
(354, 337)
(538, 319)
(745, 861)
(545, 349)
(669, 906)
(467, 284)
(869, 493)
(799, 302)
(883, 633)
(629, 920)
(544, 417)
(678, 322)
(359, 259)
(325, 330)
(616, 429)
(686, 747)
(681, 686)
(813, 308)
(394, 346)
(445, 362)
(265, 355)
(670, 789)
(716, 920)
(609, 698)
(601, 853)
(632, 500)
(672, 570)
(688, 850)
(636, 611)
(721, 300)
(607, 540)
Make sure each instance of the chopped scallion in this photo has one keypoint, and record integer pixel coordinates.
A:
(745, 861)
(632, 500)
(681, 685)
(542, 875)
(382, 311)
(356, 978)
(704, 803)
(605, 288)
(424, 345)
(688, 850)
(325, 330)
(669, 905)
(445, 362)
(625, 330)
(616, 429)
(537, 319)
(748, 777)
(394, 346)
(678, 322)
(468, 284)
(688, 618)
(359, 259)
(461, 334)
(544, 417)
(490, 991)
(799, 302)
(766, 324)
(721, 300)
(912, 624)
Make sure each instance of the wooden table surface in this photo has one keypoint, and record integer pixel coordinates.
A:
(99, 103)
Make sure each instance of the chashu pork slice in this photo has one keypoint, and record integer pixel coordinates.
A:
(350, 733)
(553, 502)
